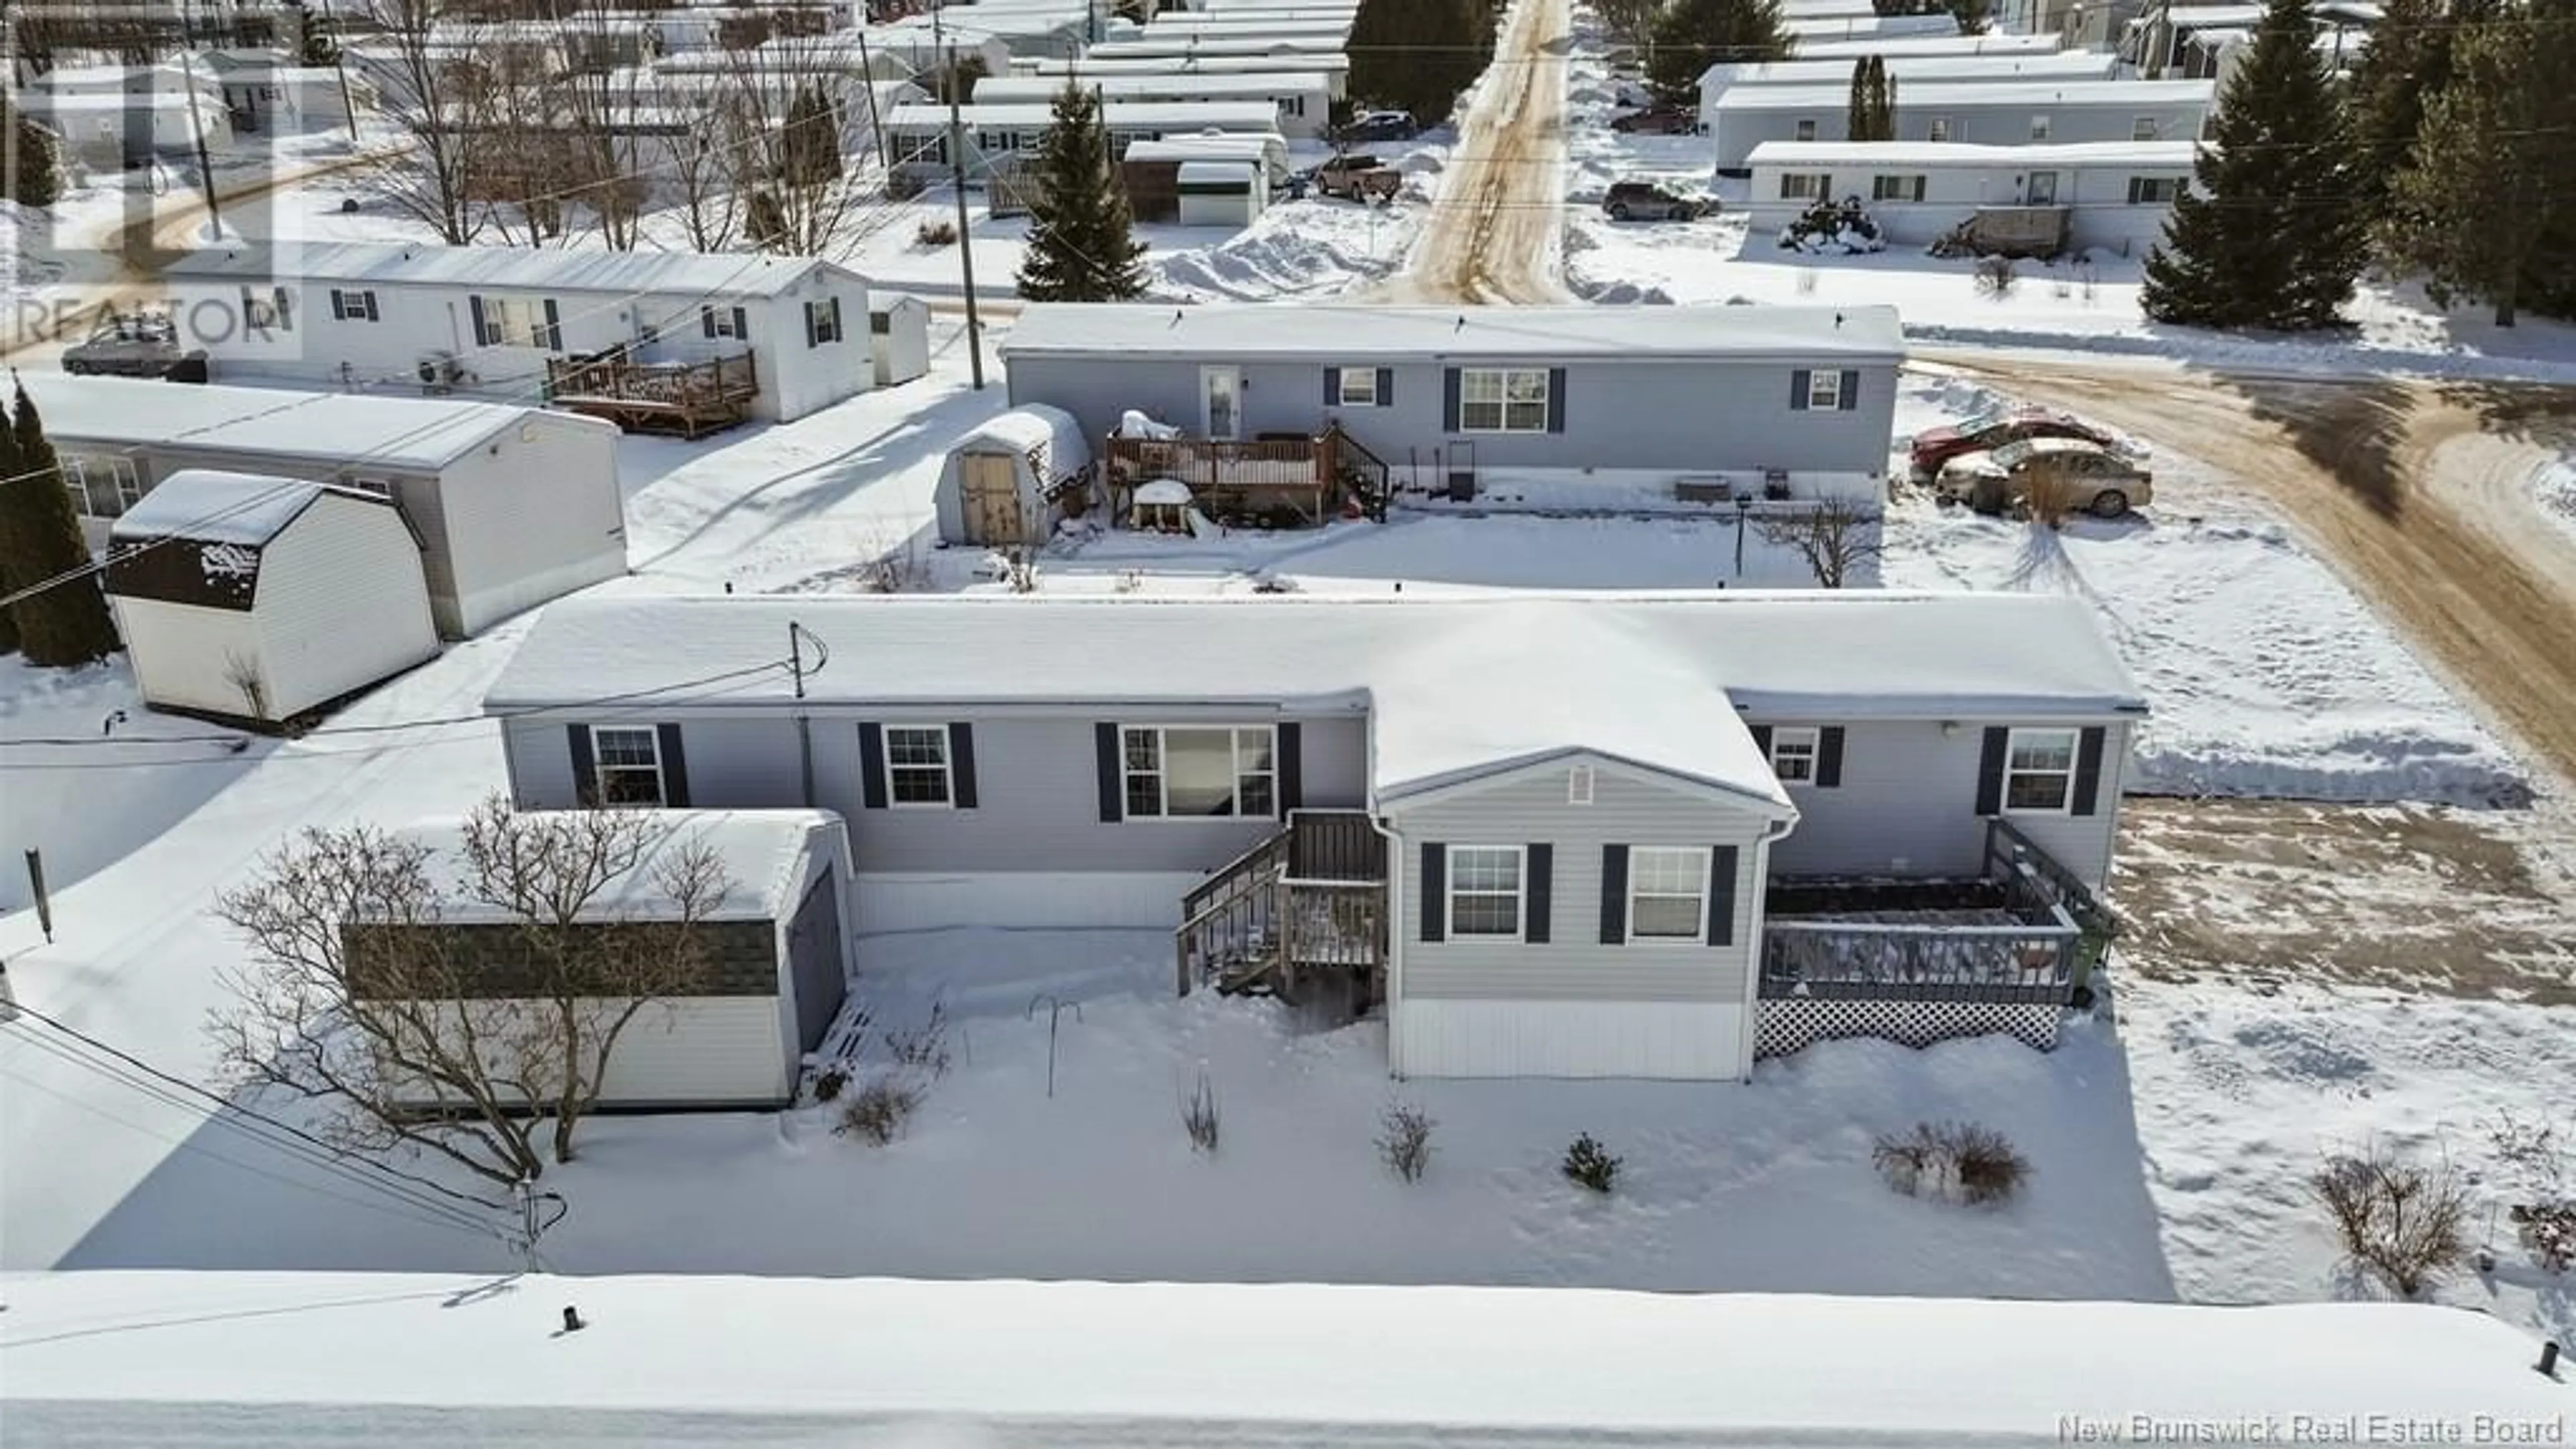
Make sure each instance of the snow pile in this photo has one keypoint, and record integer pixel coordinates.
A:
(26, 246)
(1133, 424)
(1297, 248)
(1624, 294)
(2554, 486)
(228, 561)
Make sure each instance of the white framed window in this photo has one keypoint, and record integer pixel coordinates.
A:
(516, 322)
(1485, 890)
(823, 321)
(101, 485)
(2039, 771)
(1802, 185)
(1896, 188)
(272, 313)
(1793, 754)
(2143, 129)
(626, 764)
(1359, 387)
(1824, 390)
(1667, 893)
(916, 765)
(354, 305)
(1182, 772)
(2154, 190)
(1502, 400)
(1806, 130)
(1937, 129)
(2039, 128)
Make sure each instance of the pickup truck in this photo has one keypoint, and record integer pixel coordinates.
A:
(1358, 178)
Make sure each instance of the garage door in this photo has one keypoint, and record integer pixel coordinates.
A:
(814, 962)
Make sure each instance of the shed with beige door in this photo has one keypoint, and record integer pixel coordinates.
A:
(1009, 481)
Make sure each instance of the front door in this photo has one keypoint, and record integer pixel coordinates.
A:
(2043, 189)
(989, 489)
(1220, 403)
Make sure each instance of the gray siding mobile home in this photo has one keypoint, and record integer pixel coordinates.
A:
(2014, 113)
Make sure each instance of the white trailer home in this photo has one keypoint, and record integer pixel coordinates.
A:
(126, 130)
(253, 597)
(1303, 99)
(512, 506)
(266, 92)
(1334, 67)
(1908, 70)
(2116, 194)
(1868, 27)
(791, 58)
(776, 953)
(1814, 48)
(513, 322)
(998, 135)
(1977, 113)
(1150, 46)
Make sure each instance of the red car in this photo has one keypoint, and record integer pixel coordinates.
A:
(1935, 446)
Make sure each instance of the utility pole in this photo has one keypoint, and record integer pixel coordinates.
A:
(965, 237)
(197, 126)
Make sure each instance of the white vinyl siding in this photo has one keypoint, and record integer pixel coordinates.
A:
(2039, 771)
(1502, 400)
(1667, 894)
(1793, 754)
(626, 764)
(1485, 891)
(1195, 771)
(917, 768)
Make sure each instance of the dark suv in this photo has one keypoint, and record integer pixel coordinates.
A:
(1653, 201)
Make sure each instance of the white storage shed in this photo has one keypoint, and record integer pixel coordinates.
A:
(1221, 193)
(777, 946)
(899, 335)
(261, 598)
(1008, 481)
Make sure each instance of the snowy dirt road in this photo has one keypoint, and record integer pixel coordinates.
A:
(2415, 491)
(1493, 233)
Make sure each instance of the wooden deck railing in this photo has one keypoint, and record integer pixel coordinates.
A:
(1206, 463)
(688, 397)
(1335, 847)
(1312, 895)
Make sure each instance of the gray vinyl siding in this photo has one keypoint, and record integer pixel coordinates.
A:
(1573, 965)
(1037, 792)
(1907, 806)
(1701, 415)
(2107, 113)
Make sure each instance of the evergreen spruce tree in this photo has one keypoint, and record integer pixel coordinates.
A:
(1692, 35)
(1082, 245)
(2486, 205)
(41, 539)
(30, 158)
(2265, 235)
(1873, 102)
(9, 470)
(1419, 56)
(811, 147)
(2404, 61)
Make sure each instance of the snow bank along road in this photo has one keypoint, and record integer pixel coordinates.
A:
(1493, 233)
(2417, 491)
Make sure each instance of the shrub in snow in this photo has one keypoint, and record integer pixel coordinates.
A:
(936, 234)
(1960, 1161)
(1589, 1164)
(923, 1050)
(1996, 277)
(1833, 228)
(1404, 1140)
(2401, 1220)
(2548, 1229)
(829, 1082)
(878, 1113)
(1199, 1116)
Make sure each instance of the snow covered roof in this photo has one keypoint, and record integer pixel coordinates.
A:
(1654, 679)
(1151, 45)
(1006, 90)
(2000, 66)
(1811, 48)
(1308, 331)
(327, 427)
(2197, 17)
(294, 1360)
(213, 506)
(1933, 94)
(1230, 146)
(762, 852)
(1936, 154)
(1049, 433)
(748, 274)
(1163, 493)
(1117, 115)
(1231, 173)
(1095, 65)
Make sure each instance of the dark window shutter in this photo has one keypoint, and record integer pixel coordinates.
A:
(1386, 387)
(554, 327)
(2088, 770)
(741, 326)
(1332, 387)
(872, 769)
(585, 767)
(1556, 399)
(1849, 397)
(837, 333)
(1289, 762)
(1721, 896)
(1449, 399)
(1829, 757)
(1614, 895)
(372, 314)
(482, 327)
(1798, 390)
(1104, 746)
(1762, 740)
(707, 320)
(339, 311)
(811, 338)
(961, 765)
(1990, 771)
(1435, 891)
(675, 766)
(1539, 864)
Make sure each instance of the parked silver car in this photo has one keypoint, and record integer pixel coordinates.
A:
(2093, 478)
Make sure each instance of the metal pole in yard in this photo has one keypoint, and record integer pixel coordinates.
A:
(965, 239)
(197, 125)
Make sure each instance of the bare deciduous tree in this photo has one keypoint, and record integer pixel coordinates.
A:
(460, 1002)
(1835, 538)
(427, 176)
(801, 195)
(241, 671)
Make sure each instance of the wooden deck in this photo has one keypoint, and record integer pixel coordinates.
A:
(690, 399)
(1306, 906)
(1266, 482)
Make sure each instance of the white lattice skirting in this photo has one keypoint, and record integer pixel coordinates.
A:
(1790, 1025)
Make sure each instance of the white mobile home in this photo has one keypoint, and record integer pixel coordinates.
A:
(1569, 837)
(997, 135)
(898, 337)
(260, 598)
(1334, 67)
(1814, 48)
(1908, 70)
(1162, 47)
(2116, 194)
(266, 92)
(1302, 100)
(126, 130)
(783, 61)
(774, 952)
(1868, 27)
(1180, 27)
(1975, 113)
(503, 321)
(512, 506)
(1010, 481)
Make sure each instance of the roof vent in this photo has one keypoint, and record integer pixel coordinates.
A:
(1578, 785)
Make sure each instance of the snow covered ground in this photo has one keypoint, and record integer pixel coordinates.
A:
(2555, 486)
(350, 1359)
